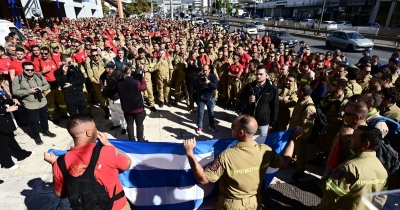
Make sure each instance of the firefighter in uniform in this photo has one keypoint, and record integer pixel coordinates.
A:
(95, 68)
(179, 74)
(287, 100)
(47, 67)
(148, 66)
(241, 169)
(164, 70)
(303, 115)
(364, 76)
(353, 89)
(235, 71)
(221, 69)
(361, 174)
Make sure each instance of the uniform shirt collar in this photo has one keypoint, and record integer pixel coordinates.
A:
(246, 144)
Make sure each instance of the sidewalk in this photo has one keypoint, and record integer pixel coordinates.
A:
(30, 186)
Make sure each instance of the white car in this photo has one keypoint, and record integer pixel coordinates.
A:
(349, 40)
(7, 27)
(343, 23)
(309, 22)
(198, 21)
(249, 28)
(328, 25)
(260, 26)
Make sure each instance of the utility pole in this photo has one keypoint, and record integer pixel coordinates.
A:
(172, 9)
(322, 15)
(226, 9)
(120, 10)
(151, 4)
(163, 4)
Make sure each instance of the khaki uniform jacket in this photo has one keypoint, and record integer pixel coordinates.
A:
(241, 169)
(249, 78)
(107, 56)
(145, 63)
(361, 174)
(95, 71)
(333, 115)
(307, 77)
(164, 69)
(353, 88)
(303, 115)
(291, 102)
(365, 82)
(179, 67)
(392, 112)
(23, 90)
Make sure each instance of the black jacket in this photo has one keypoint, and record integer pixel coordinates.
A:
(388, 157)
(192, 72)
(6, 122)
(129, 90)
(265, 108)
(207, 90)
(110, 91)
(74, 77)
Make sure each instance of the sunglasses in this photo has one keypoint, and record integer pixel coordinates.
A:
(29, 70)
(44, 53)
(94, 55)
(348, 114)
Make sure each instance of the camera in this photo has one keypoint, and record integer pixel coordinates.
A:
(71, 67)
(202, 77)
(38, 94)
(138, 73)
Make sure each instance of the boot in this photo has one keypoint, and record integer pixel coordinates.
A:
(107, 111)
(38, 140)
(318, 161)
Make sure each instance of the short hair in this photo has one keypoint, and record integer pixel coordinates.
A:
(77, 120)
(2, 49)
(64, 57)
(304, 63)
(360, 109)
(26, 63)
(7, 38)
(390, 93)
(341, 83)
(12, 34)
(126, 69)
(376, 57)
(34, 46)
(77, 41)
(393, 69)
(372, 135)
(292, 74)
(376, 97)
(255, 62)
(20, 49)
(93, 50)
(244, 124)
(120, 49)
(352, 73)
(45, 49)
(8, 46)
(141, 50)
(305, 89)
(262, 66)
(386, 76)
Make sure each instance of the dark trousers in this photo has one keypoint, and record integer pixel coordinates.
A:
(138, 118)
(7, 141)
(191, 85)
(37, 116)
(75, 104)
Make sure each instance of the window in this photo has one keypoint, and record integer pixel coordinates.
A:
(335, 34)
(20, 36)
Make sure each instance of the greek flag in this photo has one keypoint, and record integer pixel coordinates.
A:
(152, 23)
(160, 177)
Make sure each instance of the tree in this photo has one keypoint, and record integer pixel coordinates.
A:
(155, 5)
(219, 4)
(106, 10)
(138, 7)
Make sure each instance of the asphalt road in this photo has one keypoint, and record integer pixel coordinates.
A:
(318, 45)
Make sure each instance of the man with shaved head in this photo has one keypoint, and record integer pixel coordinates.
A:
(110, 160)
(242, 167)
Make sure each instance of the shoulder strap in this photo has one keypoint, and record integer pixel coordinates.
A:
(40, 65)
(32, 58)
(63, 167)
(89, 172)
(309, 104)
(19, 78)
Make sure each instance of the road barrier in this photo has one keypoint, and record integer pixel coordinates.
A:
(382, 33)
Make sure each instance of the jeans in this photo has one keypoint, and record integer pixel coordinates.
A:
(76, 104)
(138, 118)
(38, 115)
(200, 111)
(262, 130)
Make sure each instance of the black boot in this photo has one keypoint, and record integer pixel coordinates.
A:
(318, 161)
(107, 111)
(38, 140)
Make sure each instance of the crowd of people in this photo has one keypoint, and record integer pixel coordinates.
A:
(124, 64)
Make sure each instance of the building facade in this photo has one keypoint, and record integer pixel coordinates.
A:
(48, 8)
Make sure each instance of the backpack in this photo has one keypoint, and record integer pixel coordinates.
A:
(84, 192)
(320, 123)
(353, 97)
(37, 74)
(394, 127)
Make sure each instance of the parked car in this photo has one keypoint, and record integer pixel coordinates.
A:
(308, 22)
(205, 20)
(370, 25)
(349, 40)
(249, 28)
(278, 18)
(289, 20)
(267, 18)
(260, 26)
(328, 25)
(279, 36)
(343, 23)
(256, 17)
(198, 20)
(225, 24)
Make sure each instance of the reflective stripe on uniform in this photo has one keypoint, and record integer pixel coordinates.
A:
(51, 109)
(370, 182)
(62, 106)
(304, 80)
(335, 188)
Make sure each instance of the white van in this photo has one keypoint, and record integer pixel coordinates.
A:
(5, 28)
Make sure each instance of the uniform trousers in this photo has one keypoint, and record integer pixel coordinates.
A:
(300, 150)
(233, 89)
(149, 89)
(191, 85)
(37, 116)
(224, 203)
(76, 103)
(163, 89)
(179, 82)
(117, 115)
(138, 118)
(7, 141)
(53, 97)
(102, 100)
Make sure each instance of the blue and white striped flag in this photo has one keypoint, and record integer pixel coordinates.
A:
(160, 176)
